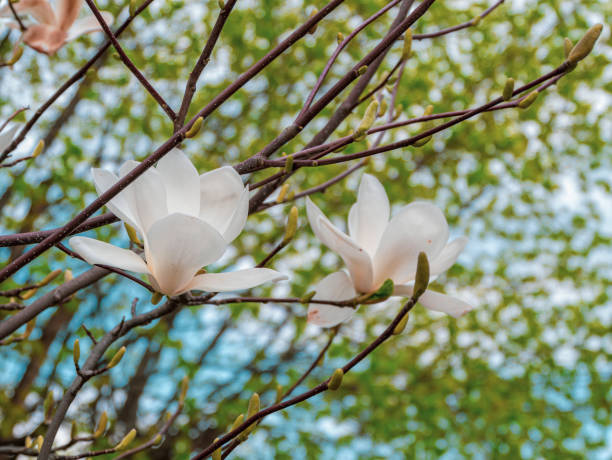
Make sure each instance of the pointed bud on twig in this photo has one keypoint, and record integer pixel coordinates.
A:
(48, 405)
(289, 164)
(384, 292)
(367, 121)
(195, 128)
(131, 231)
(320, 361)
(397, 111)
(292, 223)
(156, 297)
(237, 422)
(221, 4)
(281, 194)
(361, 70)
(428, 110)
(422, 142)
(528, 100)
(508, 89)
(306, 298)
(254, 405)
(115, 359)
(336, 379)
(39, 442)
(279, 393)
(68, 275)
(421, 278)
(73, 430)
(217, 453)
(29, 329)
(28, 294)
(126, 440)
(313, 29)
(157, 439)
(101, 426)
(28, 442)
(399, 328)
(585, 44)
(567, 47)
(76, 353)
(184, 388)
(383, 107)
(133, 7)
(339, 38)
(17, 53)
(476, 21)
(407, 50)
(39, 148)
(50, 277)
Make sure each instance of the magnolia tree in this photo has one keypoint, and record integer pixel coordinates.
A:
(221, 306)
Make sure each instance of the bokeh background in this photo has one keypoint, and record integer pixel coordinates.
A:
(526, 374)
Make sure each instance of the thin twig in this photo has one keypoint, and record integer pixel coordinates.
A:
(198, 68)
(62, 89)
(312, 392)
(128, 63)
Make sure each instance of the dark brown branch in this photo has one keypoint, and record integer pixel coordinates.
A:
(91, 364)
(62, 89)
(16, 16)
(319, 188)
(337, 51)
(314, 364)
(190, 87)
(19, 239)
(558, 72)
(176, 139)
(50, 299)
(128, 63)
(312, 392)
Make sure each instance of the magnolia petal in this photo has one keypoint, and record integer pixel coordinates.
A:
(100, 253)
(7, 136)
(234, 281)
(435, 301)
(67, 12)
(39, 9)
(419, 226)
(221, 191)
(337, 286)
(119, 205)
(353, 220)
(238, 220)
(87, 25)
(371, 214)
(448, 256)
(182, 183)
(446, 304)
(44, 38)
(315, 217)
(178, 246)
(147, 195)
(358, 262)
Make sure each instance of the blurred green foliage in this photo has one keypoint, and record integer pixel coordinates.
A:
(524, 375)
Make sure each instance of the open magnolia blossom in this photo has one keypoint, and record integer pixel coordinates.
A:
(186, 221)
(6, 136)
(377, 249)
(54, 27)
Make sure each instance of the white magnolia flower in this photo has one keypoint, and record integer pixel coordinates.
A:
(54, 27)
(6, 136)
(379, 249)
(186, 221)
